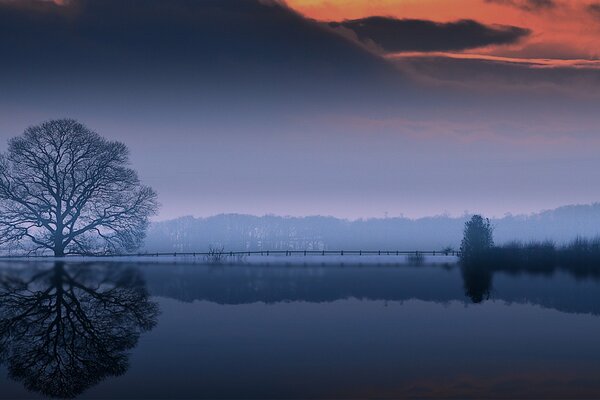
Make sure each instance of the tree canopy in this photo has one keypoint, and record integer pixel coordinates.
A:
(477, 238)
(67, 190)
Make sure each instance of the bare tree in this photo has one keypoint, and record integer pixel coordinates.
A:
(215, 255)
(65, 189)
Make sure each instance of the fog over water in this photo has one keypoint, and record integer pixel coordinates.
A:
(237, 232)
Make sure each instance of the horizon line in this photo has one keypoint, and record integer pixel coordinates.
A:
(466, 214)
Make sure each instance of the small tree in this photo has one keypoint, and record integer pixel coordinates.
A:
(477, 238)
(65, 189)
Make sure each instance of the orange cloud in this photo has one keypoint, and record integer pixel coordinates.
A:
(568, 30)
(533, 62)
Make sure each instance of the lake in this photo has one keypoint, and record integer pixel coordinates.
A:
(178, 330)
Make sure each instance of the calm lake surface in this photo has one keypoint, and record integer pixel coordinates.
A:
(134, 330)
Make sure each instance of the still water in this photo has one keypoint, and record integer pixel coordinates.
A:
(127, 330)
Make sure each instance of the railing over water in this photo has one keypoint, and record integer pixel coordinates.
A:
(287, 253)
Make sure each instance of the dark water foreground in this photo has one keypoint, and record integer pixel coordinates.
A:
(124, 330)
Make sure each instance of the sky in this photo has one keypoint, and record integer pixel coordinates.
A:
(560, 29)
(350, 108)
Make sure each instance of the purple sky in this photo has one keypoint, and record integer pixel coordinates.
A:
(245, 106)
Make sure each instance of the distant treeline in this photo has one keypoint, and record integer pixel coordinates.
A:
(245, 232)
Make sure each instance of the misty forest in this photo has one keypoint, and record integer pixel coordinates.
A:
(284, 199)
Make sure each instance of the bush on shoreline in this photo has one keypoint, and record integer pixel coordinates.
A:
(581, 257)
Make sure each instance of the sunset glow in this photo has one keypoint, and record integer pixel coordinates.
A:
(532, 62)
(566, 30)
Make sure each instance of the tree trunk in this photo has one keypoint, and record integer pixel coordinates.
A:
(59, 248)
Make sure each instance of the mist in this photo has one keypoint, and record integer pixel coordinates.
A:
(237, 232)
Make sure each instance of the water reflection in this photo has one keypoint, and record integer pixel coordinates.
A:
(66, 327)
(372, 331)
(477, 281)
(255, 331)
(478, 275)
(233, 285)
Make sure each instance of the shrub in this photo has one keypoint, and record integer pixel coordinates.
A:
(477, 239)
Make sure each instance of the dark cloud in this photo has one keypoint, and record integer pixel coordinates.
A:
(594, 9)
(208, 40)
(527, 5)
(220, 61)
(395, 35)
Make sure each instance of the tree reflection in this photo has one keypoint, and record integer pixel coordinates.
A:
(477, 280)
(67, 327)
